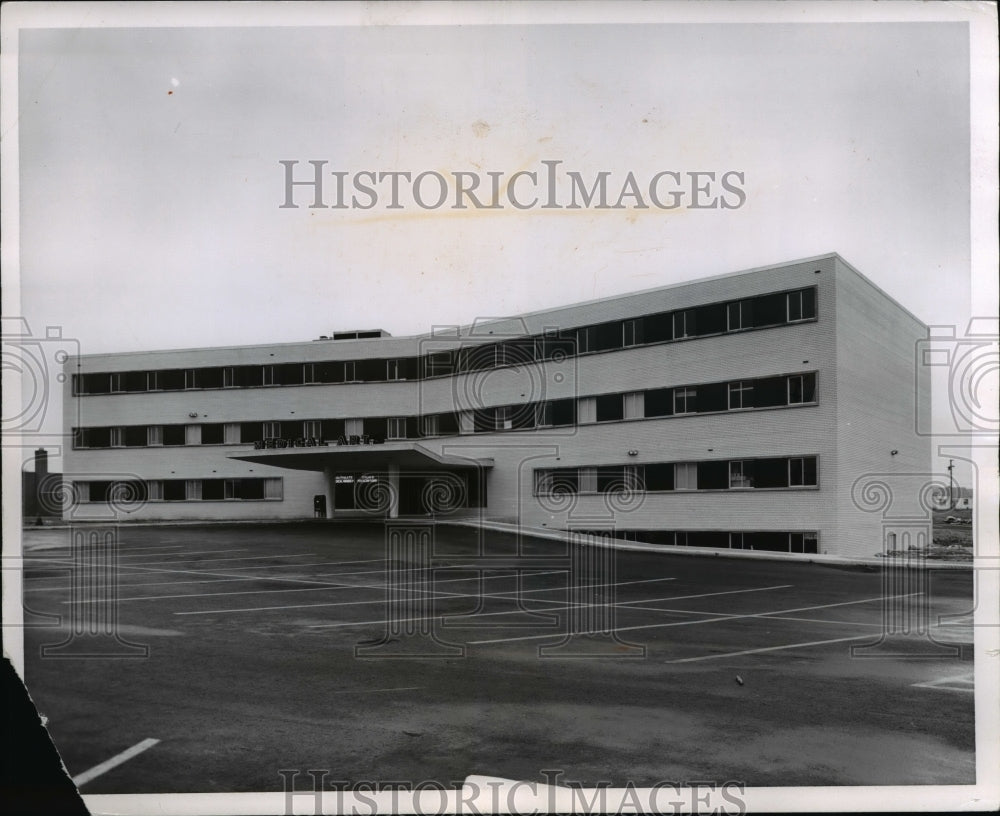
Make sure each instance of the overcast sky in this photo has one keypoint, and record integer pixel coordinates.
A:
(151, 184)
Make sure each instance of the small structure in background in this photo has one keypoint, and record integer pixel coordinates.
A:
(39, 491)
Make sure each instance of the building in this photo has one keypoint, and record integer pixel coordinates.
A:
(38, 501)
(730, 412)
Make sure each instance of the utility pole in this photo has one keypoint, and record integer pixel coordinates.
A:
(951, 489)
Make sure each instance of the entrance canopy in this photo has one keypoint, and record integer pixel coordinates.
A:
(368, 458)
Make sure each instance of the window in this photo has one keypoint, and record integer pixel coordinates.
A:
(739, 315)
(271, 430)
(439, 363)
(213, 434)
(740, 394)
(189, 379)
(174, 435)
(117, 437)
(397, 428)
(565, 480)
(209, 377)
(588, 479)
(632, 332)
(154, 435)
(610, 408)
(801, 389)
(657, 328)
(288, 374)
(801, 305)
(174, 490)
(212, 489)
(244, 489)
(713, 475)
(684, 400)
(429, 425)
(267, 375)
(802, 471)
(173, 379)
(684, 324)
(685, 476)
(557, 413)
(229, 377)
(135, 436)
(659, 402)
(658, 477)
(392, 370)
(741, 474)
(770, 392)
(350, 374)
(586, 410)
(312, 429)
(635, 405)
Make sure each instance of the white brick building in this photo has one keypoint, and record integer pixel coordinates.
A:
(734, 412)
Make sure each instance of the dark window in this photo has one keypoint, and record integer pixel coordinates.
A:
(213, 434)
(133, 381)
(771, 472)
(555, 346)
(171, 380)
(248, 376)
(801, 388)
(740, 394)
(633, 332)
(713, 475)
(802, 471)
(708, 538)
(477, 358)
(213, 489)
(375, 427)
(739, 315)
(447, 424)
(685, 400)
(610, 407)
(659, 402)
(484, 420)
(710, 319)
(95, 437)
(439, 363)
(522, 417)
(769, 310)
(712, 397)
(328, 372)
(95, 383)
(603, 337)
(370, 370)
(801, 305)
(769, 392)
(208, 378)
(566, 480)
(685, 324)
(289, 374)
(657, 328)
(333, 429)
(559, 413)
(659, 477)
(135, 436)
(517, 352)
(250, 431)
(174, 435)
(245, 489)
(174, 490)
(610, 479)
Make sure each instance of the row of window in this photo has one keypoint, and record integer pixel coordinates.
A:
(770, 541)
(765, 392)
(139, 491)
(717, 318)
(713, 474)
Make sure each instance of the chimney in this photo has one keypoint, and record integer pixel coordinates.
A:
(41, 464)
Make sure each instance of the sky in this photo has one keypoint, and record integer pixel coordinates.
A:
(150, 181)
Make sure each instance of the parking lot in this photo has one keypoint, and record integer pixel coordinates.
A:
(245, 650)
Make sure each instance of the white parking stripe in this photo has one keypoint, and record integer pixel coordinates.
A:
(181, 552)
(205, 560)
(716, 617)
(444, 596)
(769, 649)
(114, 762)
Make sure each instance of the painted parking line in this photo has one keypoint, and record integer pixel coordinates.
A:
(716, 617)
(964, 683)
(348, 603)
(769, 649)
(205, 560)
(114, 762)
(374, 691)
(558, 606)
(180, 552)
(444, 596)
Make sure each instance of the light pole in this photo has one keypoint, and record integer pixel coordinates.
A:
(951, 489)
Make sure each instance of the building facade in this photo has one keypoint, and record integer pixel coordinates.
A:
(734, 412)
